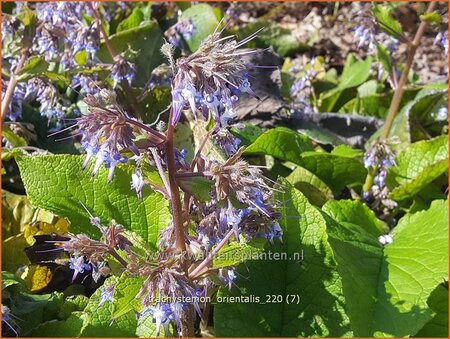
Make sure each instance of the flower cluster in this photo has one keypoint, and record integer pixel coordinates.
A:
(302, 89)
(122, 70)
(107, 131)
(210, 82)
(367, 34)
(180, 32)
(240, 201)
(64, 28)
(380, 156)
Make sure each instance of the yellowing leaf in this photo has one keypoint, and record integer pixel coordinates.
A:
(38, 278)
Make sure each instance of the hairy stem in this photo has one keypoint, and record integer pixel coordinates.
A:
(174, 190)
(118, 257)
(13, 79)
(160, 169)
(398, 94)
(198, 270)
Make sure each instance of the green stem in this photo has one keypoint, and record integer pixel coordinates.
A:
(398, 94)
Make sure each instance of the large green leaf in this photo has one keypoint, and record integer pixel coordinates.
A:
(418, 165)
(319, 309)
(413, 265)
(438, 302)
(58, 184)
(310, 185)
(359, 256)
(336, 171)
(282, 143)
(386, 288)
(146, 40)
(205, 20)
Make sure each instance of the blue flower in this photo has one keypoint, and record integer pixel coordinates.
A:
(137, 183)
(123, 70)
(107, 294)
(78, 265)
(227, 276)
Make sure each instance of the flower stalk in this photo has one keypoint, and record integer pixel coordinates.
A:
(398, 94)
(126, 87)
(174, 189)
(13, 79)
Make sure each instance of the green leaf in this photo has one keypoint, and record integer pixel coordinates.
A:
(125, 291)
(347, 151)
(72, 327)
(282, 143)
(146, 327)
(133, 20)
(146, 40)
(199, 187)
(34, 65)
(376, 105)
(335, 171)
(57, 183)
(358, 254)
(432, 18)
(355, 73)
(417, 166)
(357, 213)
(386, 288)
(248, 134)
(384, 58)
(319, 311)
(281, 39)
(72, 304)
(438, 302)
(9, 279)
(102, 322)
(414, 264)
(321, 136)
(205, 20)
(14, 139)
(383, 15)
(310, 185)
(235, 253)
(27, 16)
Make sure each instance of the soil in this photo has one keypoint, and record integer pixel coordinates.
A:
(330, 25)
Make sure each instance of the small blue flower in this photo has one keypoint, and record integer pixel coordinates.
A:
(227, 276)
(78, 265)
(137, 183)
(107, 294)
(162, 315)
(123, 70)
(275, 231)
